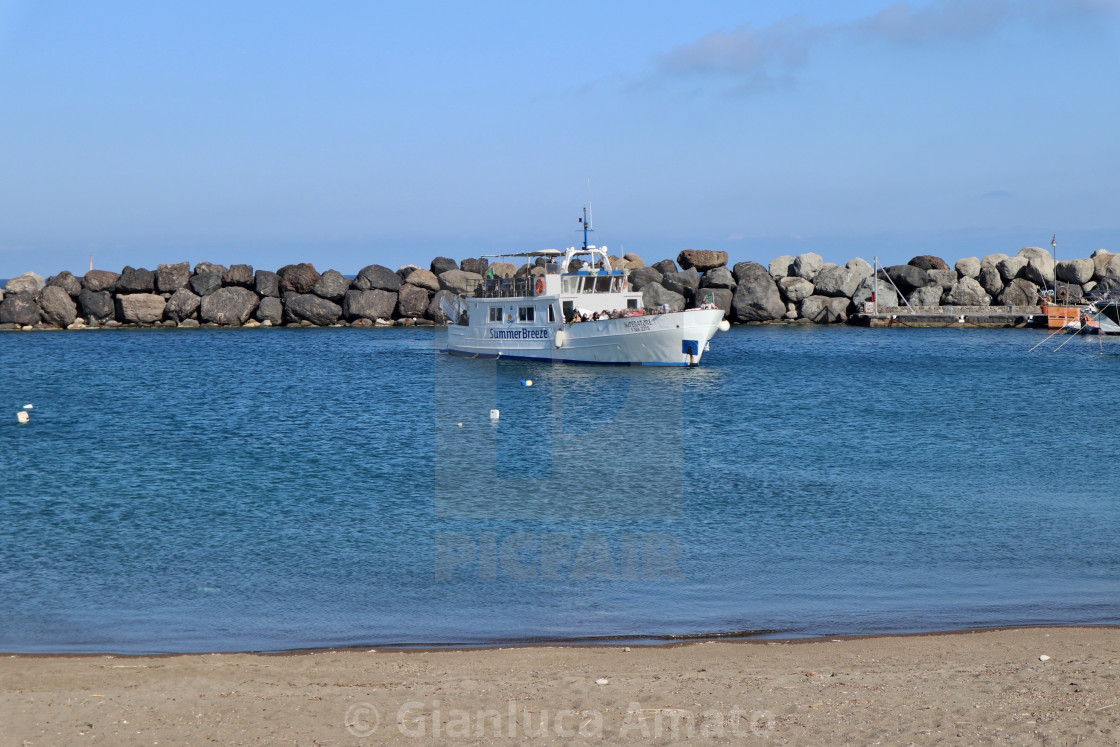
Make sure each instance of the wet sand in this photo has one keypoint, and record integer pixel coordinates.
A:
(963, 688)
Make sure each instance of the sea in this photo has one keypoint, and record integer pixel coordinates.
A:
(285, 489)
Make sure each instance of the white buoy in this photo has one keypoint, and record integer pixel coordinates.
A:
(724, 325)
(495, 414)
(459, 424)
(527, 382)
(22, 416)
(29, 407)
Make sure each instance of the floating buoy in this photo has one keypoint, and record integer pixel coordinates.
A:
(459, 424)
(29, 407)
(526, 382)
(22, 416)
(495, 414)
(724, 325)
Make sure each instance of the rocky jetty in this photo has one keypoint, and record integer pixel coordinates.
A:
(790, 289)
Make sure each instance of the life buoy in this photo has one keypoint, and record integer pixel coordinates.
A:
(540, 286)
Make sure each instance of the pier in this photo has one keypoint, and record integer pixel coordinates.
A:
(952, 316)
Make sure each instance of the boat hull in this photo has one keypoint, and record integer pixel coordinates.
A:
(673, 339)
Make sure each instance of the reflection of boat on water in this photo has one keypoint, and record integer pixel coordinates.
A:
(573, 307)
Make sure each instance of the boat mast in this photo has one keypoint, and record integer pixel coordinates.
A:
(586, 221)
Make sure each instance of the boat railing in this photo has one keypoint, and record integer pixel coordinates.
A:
(503, 287)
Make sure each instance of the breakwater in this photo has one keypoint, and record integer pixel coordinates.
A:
(792, 289)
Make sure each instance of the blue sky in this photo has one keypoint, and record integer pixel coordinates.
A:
(349, 133)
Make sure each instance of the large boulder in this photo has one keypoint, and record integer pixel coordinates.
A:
(944, 278)
(28, 283)
(683, 282)
(1019, 292)
(1041, 260)
(795, 289)
(929, 295)
(57, 307)
(884, 293)
(1074, 270)
(781, 267)
(299, 278)
(441, 265)
(412, 301)
(239, 275)
(96, 304)
(969, 267)
(834, 280)
(307, 307)
(824, 309)
(332, 286)
(67, 282)
(908, 278)
(756, 297)
(502, 269)
(232, 305)
(100, 280)
(423, 279)
(458, 281)
(206, 268)
(475, 265)
(136, 281)
(1010, 268)
(807, 265)
(665, 266)
(718, 277)
(369, 304)
(205, 283)
(634, 261)
(719, 297)
(140, 308)
(435, 310)
(860, 267)
(182, 305)
(1035, 275)
(990, 279)
(992, 260)
(968, 292)
(1105, 264)
(641, 278)
(929, 262)
(270, 310)
(655, 295)
(19, 308)
(266, 284)
(701, 260)
(376, 277)
(170, 278)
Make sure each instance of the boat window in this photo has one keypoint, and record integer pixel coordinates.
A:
(526, 314)
(603, 284)
(551, 313)
(569, 306)
(631, 303)
(495, 313)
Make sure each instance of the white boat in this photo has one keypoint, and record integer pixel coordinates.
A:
(575, 312)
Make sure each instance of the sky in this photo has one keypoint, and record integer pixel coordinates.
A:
(348, 133)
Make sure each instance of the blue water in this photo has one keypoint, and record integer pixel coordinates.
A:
(275, 489)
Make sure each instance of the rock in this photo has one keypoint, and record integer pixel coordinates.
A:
(67, 282)
(885, 295)
(100, 280)
(908, 278)
(299, 278)
(412, 301)
(636, 262)
(781, 267)
(1033, 274)
(95, 304)
(423, 279)
(1019, 292)
(807, 265)
(28, 283)
(435, 308)
(206, 268)
(681, 282)
(756, 297)
(834, 280)
(376, 277)
(824, 309)
(795, 289)
(189, 324)
(1010, 268)
(969, 267)
(170, 278)
(1075, 270)
(502, 269)
(665, 266)
(992, 260)
(307, 307)
(930, 295)
(477, 266)
(968, 292)
(1105, 265)
(140, 308)
(206, 283)
(232, 306)
(57, 307)
(1044, 657)
(1089, 286)
(403, 271)
(990, 279)
(860, 268)
(720, 297)
(641, 278)
(441, 265)
(946, 279)
(369, 304)
(182, 305)
(239, 275)
(1041, 260)
(270, 311)
(655, 295)
(266, 284)
(1070, 293)
(19, 308)
(332, 286)
(136, 281)
(701, 260)
(458, 281)
(718, 277)
(928, 262)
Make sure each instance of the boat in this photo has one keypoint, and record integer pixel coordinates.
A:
(574, 307)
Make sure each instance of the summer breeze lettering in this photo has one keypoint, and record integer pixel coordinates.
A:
(524, 333)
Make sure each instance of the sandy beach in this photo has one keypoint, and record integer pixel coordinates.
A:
(991, 687)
